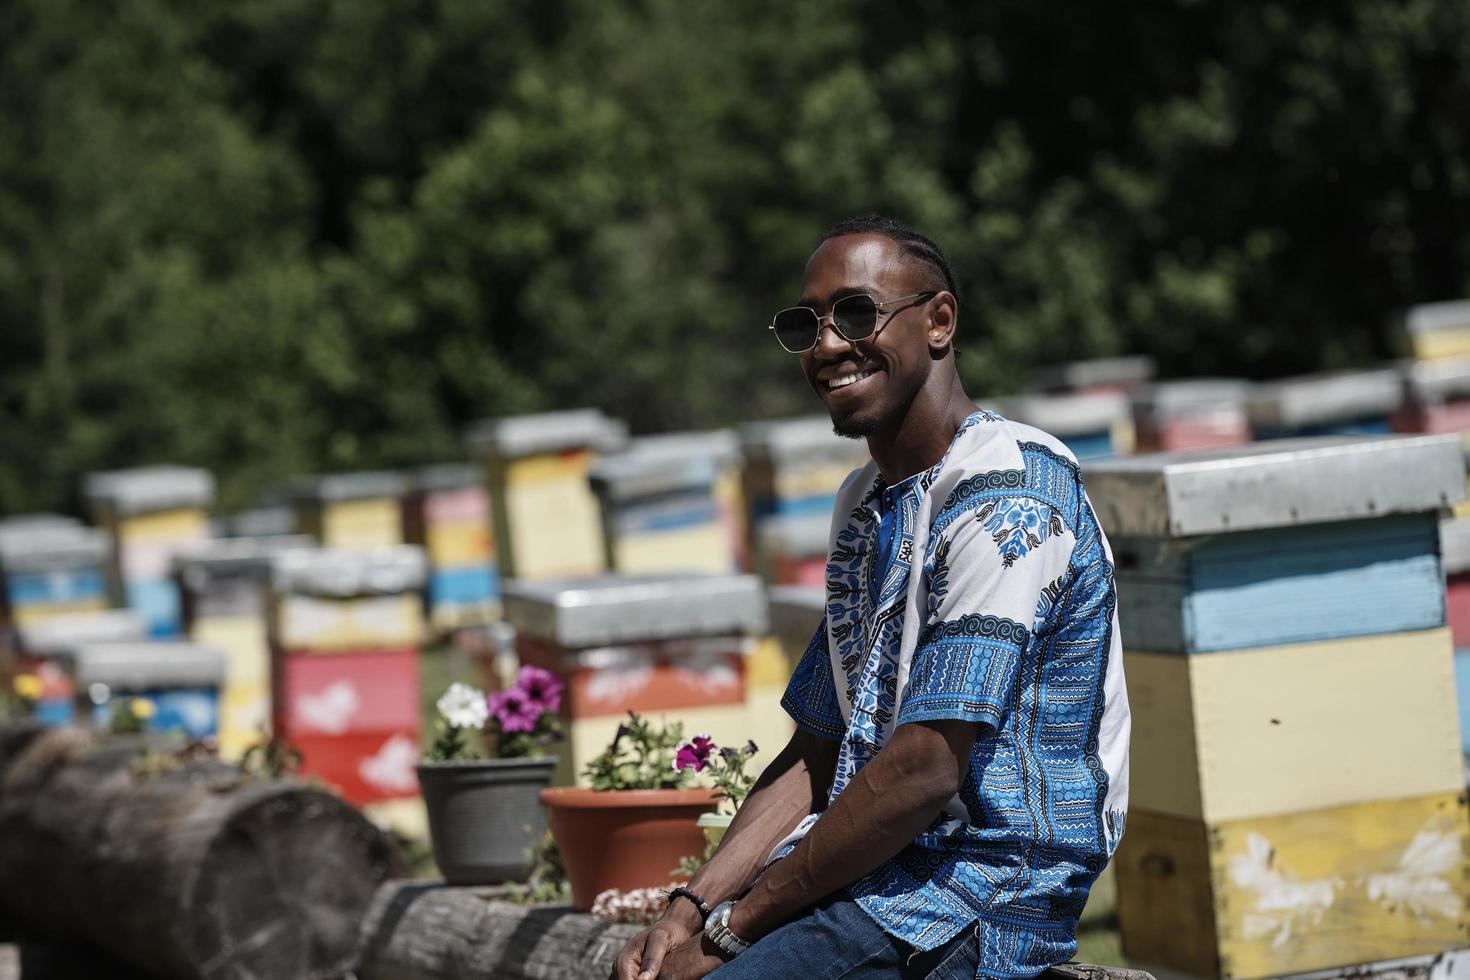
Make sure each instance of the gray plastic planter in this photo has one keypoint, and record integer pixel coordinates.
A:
(484, 817)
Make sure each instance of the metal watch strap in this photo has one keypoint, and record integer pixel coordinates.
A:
(718, 930)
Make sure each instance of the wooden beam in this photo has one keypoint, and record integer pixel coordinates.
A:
(426, 931)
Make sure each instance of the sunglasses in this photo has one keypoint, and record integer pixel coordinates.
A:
(854, 317)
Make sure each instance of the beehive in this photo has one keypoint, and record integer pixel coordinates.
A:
(180, 681)
(226, 587)
(795, 612)
(345, 630)
(1102, 374)
(151, 513)
(51, 566)
(1093, 425)
(1296, 798)
(1437, 399)
(793, 549)
(1200, 413)
(548, 523)
(793, 468)
(670, 503)
(447, 513)
(39, 645)
(351, 510)
(672, 647)
(1455, 546)
(1437, 330)
(1335, 403)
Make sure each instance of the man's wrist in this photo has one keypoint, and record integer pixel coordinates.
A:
(683, 913)
(744, 924)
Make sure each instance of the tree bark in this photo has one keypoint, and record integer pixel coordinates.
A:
(196, 871)
(423, 931)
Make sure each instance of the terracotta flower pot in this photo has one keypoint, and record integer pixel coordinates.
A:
(624, 839)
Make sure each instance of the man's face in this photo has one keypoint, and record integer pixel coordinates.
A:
(891, 365)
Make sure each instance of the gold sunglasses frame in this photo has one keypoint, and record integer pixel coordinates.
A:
(880, 309)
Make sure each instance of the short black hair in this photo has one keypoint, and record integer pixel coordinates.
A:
(913, 244)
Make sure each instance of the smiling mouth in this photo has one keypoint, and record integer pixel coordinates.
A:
(842, 381)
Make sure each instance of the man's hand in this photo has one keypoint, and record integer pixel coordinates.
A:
(694, 958)
(645, 952)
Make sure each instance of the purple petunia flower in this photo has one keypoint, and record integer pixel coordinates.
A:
(541, 686)
(695, 754)
(515, 711)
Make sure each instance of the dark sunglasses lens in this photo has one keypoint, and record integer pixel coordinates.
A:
(855, 316)
(796, 329)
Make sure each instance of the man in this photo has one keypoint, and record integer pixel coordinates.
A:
(959, 773)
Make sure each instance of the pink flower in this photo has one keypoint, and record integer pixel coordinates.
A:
(514, 710)
(541, 686)
(695, 754)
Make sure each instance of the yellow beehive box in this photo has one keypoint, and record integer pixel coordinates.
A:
(1251, 733)
(336, 599)
(181, 524)
(547, 520)
(245, 702)
(351, 510)
(701, 548)
(245, 712)
(552, 525)
(25, 616)
(1437, 330)
(1273, 896)
(454, 544)
(767, 723)
(305, 623)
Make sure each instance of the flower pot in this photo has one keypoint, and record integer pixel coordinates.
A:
(484, 817)
(624, 839)
(714, 826)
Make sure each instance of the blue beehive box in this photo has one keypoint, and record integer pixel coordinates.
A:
(51, 564)
(181, 681)
(1280, 542)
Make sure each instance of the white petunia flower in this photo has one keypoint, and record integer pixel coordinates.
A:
(463, 706)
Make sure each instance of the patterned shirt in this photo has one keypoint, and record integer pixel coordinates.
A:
(1008, 620)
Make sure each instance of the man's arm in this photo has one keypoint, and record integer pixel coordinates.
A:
(792, 786)
(891, 800)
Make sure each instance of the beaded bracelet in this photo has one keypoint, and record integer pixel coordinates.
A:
(699, 903)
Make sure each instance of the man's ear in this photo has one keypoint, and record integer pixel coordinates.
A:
(943, 319)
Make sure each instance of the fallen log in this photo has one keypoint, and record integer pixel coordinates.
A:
(181, 869)
(418, 930)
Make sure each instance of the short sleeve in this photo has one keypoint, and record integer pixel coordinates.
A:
(987, 574)
(811, 695)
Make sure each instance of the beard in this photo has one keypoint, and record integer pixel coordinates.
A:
(860, 426)
(855, 428)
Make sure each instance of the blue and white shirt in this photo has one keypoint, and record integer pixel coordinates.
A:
(982, 590)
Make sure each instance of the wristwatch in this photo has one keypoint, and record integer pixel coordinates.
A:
(718, 930)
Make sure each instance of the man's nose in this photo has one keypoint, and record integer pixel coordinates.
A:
(830, 343)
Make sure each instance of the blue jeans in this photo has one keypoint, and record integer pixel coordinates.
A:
(836, 939)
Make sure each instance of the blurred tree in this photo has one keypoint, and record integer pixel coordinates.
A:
(285, 235)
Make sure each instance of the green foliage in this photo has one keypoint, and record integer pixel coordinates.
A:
(278, 236)
(270, 757)
(547, 883)
(450, 743)
(640, 756)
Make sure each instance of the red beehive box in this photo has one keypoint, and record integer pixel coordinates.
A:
(344, 693)
(352, 709)
(365, 767)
